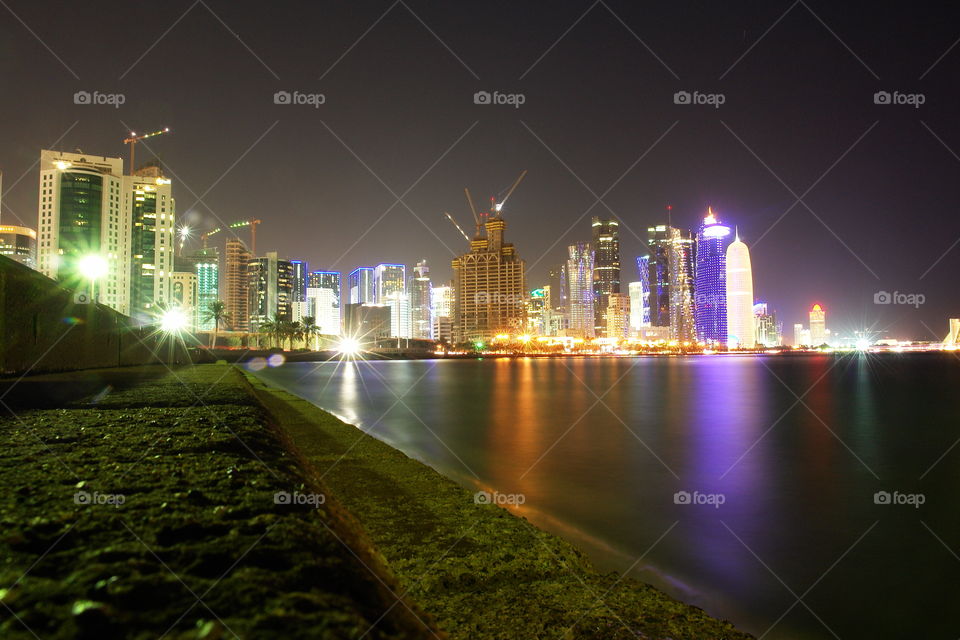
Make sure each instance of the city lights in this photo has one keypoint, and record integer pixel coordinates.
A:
(348, 346)
(174, 320)
(92, 267)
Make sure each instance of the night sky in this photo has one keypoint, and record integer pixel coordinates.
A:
(878, 182)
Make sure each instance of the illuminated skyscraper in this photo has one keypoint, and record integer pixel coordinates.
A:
(710, 280)
(360, 283)
(300, 271)
(581, 304)
(388, 279)
(818, 326)
(420, 323)
(150, 209)
(768, 331)
(741, 332)
(205, 265)
(639, 307)
(271, 289)
(20, 244)
(489, 286)
(237, 285)
(617, 318)
(81, 213)
(441, 312)
(680, 288)
(658, 239)
(606, 268)
(323, 301)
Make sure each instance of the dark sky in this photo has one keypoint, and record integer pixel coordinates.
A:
(798, 82)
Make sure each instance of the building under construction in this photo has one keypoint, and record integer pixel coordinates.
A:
(237, 284)
(488, 284)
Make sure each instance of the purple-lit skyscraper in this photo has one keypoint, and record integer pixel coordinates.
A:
(710, 280)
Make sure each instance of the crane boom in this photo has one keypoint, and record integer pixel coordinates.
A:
(510, 192)
(473, 209)
(459, 228)
(134, 139)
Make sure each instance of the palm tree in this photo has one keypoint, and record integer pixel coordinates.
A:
(310, 329)
(294, 332)
(268, 327)
(216, 310)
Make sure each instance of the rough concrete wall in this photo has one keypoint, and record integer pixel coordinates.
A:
(44, 328)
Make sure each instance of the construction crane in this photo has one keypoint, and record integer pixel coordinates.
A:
(236, 225)
(497, 206)
(473, 210)
(134, 139)
(459, 228)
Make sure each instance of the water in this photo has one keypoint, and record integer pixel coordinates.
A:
(795, 446)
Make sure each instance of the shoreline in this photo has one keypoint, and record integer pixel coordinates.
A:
(312, 430)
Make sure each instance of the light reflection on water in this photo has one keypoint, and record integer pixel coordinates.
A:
(797, 446)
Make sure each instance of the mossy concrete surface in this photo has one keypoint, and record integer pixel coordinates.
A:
(140, 503)
(483, 572)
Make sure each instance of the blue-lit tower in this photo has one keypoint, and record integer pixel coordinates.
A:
(710, 280)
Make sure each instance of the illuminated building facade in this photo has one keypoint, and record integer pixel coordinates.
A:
(606, 268)
(680, 287)
(441, 312)
(149, 201)
(300, 271)
(768, 331)
(617, 318)
(741, 332)
(270, 292)
(489, 286)
(323, 301)
(81, 213)
(388, 279)
(205, 265)
(580, 305)
(658, 239)
(237, 284)
(360, 283)
(710, 277)
(19, 244)
(421, 325)
(639, 306)
(538, 311)
(818, 326)
(183, 294)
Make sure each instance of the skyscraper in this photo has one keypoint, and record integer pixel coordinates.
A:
(658, 239)
(768, 331)
(441, 302)
(420, 324)
(237, 285)
(617, 319)
(818, 326)
(606, 268)
(581, 307)
(388, 279)
(323, 297)
(300, 271)
(489, 286)
(20, 244)
(205, 265)
(270, 291)
(360, 284)
(680, 285)
(183, 294)
(81, 213)
(710, 280)
(741, 332)
(151, 209)
(639, 306)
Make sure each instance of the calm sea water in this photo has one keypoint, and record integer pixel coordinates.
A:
(785, 455)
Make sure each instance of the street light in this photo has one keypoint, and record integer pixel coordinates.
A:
(173, 320)
(92, 267)
(348, 346)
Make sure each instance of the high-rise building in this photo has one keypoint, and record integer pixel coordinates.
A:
(658, 239)
(741, 332)
(324, 301)
(538, 314)
(710, 277)
(768, 330)
(618, 315)
(300, 271)
(360, 283)
(441, 312)
(580, 290)
(558, 320)
(183, 294)
(81, 214)
(420, 322)
(639, 306)
(270, 291)
(818, 326)
(680, 286)
(388, 279)
(606, 267)
(238, 285)
(953, 333)
(642, 306)
(367, 323)
(20, 244)
(149, 202)
(205, 265)
(489, 286)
